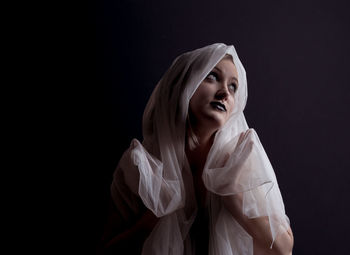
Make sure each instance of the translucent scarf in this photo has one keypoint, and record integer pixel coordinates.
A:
(157, 171)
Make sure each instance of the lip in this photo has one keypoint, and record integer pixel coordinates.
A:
(218, 106)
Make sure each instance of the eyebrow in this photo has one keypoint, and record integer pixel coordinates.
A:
(234, 78)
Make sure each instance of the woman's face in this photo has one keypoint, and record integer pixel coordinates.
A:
(213, 102)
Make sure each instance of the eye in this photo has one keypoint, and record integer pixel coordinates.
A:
(212, 76)
(233, 87)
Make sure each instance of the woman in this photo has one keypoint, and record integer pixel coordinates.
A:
(200, 182)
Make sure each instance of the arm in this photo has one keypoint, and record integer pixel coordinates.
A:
(114, 239)
(140, 230)
(259, 229)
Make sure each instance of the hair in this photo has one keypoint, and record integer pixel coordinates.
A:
(228, 56)
(192, 139)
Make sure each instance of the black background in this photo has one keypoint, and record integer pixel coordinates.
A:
(296, 55)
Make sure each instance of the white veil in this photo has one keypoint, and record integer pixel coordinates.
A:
(157, 170)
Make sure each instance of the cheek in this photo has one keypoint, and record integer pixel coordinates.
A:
(205, 89)
(232, 104)
(197, 98)
(193, 106)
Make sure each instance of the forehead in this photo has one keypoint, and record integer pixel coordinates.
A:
(227, 67)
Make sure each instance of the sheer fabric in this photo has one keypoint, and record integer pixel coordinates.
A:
(157, 172)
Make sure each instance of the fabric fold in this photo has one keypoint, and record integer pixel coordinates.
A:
(156, 174)
(143, 174)
(245, 168)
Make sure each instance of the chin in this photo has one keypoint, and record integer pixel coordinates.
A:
(211, 121)
(216, 122)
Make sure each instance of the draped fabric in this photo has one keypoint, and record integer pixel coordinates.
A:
(157, 172)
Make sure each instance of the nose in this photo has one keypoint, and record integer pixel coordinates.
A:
(222, 93)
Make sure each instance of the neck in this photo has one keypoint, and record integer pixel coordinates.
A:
(197, 157)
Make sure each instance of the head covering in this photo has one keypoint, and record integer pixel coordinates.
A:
(157, 171)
